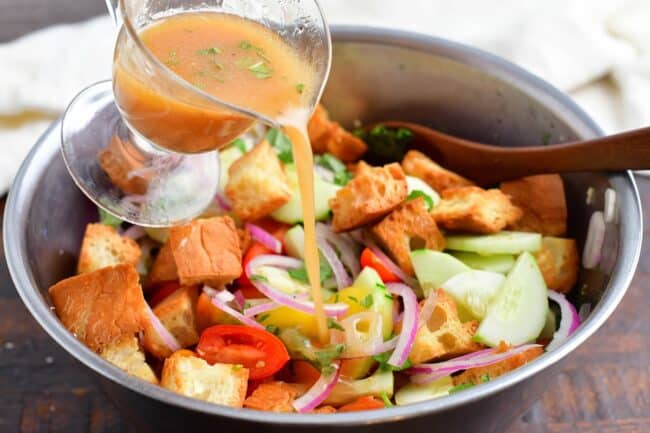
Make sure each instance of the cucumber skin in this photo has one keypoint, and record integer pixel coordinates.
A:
(529, 317)
(501, 263)
(505, 242)
(294, 242)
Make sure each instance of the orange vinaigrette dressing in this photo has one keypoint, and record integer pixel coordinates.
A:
(240, 62)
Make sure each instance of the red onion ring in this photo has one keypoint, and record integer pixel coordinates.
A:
(134, 232)
(569, 321)
(221, 299)
(164, 334)
(346, 246)
(265, 238)
(260, 308)
(427, 308)
(319, 391)
(240, 299)
(426, 373)
(396, 270)
(343, 280)
(325, 174)
(409, 323)
(284, 262)
(222, 202)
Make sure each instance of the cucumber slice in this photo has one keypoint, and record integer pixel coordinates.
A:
(417, 184)
(433, 268)
(380, 383)
(499, 243)
(281, 280)
(518, 312)
(413, 393)
(474, 290)
(159, 234)
(550, 326)
(226, 158)
(382, 301)
(291, 212)
(294, 242)
(501, 263)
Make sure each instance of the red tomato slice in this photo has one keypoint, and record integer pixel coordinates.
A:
(368, 258)
(250, 292)
(256, 249)
(161, 291)
(260, 351)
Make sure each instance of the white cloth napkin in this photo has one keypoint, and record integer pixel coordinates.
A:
(597, 50)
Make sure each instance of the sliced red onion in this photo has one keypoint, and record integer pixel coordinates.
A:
(325, 174)
(265, 238)
(240, 299)
(426, 373)
(164, 334)
(223, 202)
(396, 270)
(134, 232)
(569, 321)
(319, 391)
(343, 280)
(594, 242)
(260, 308)
(427, 308)
(346, 246)
(297, 303)
(220, 299)
(409, 324)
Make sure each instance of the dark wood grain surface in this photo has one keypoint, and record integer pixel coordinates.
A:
(603, 388)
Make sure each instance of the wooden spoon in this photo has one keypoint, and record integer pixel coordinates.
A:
(488, 164)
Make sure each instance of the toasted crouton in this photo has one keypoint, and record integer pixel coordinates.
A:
(478, 375)
(324, 410)
(417, 164)
(475, 210)
(207, 314)
(273, 397)
(101, 306)
(164, 266)
(126, 354)
(543, 201)
(189, 375)
(443, 335)
(257, 184)
(559, 262)
(368, 197)
(206, 251)
(103, 246)
(176, 313)
(120, 166)
(328, 136)
(410, 226)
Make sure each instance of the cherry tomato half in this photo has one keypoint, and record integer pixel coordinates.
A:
(161, 291)
(260, 351)
(256, 249)
(368, 258)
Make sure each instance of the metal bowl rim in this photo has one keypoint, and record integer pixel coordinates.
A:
(17, 207)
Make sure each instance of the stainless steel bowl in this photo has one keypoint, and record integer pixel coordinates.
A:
(377, 74)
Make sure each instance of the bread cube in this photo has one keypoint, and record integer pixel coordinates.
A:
(368, 197)
(443, 335)
(257, 184)
(206, 251)
(543, 203)
(479, 375)
(473, 209)
(126, 354)
(189, 375)
(102, 306)
(408, 227)
(559, 262)
(328, 136)
(177, 313)
(273, 397)
(103, 246)
(417, 164)
(119, 165)
(164, 266)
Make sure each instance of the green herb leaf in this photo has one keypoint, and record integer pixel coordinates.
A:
(261, 70)
(300, 274)
(333, 324)
(342, 178)
(385, 144)
(263, 317)
(239, 144)
(245, 45)
(460, 387)
(209, 51)
(300, 88)
(281, 143)
(386, 400)
(485, 378)
(272, 329)
(417, 193)
(382, 359)
(108, 219)
(341, 174)
(367, 301)
(353, 299)
(258, 278)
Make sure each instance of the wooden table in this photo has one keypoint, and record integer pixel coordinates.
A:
(603, 388)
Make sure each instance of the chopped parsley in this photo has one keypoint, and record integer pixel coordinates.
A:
(300, 274)
(300, 88)
(382, 359)
(353, 299)
(209, 51)
(367, 301)
(263, 317)
(341, 174)
(258, 278)
(281, 143)
(239, 144)
(172, 60)
(461, 387)
(333, 324)
(108, 219)
(261, 70)
(246, 45)
(272, 329)
(417, 193)
(385, 144)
